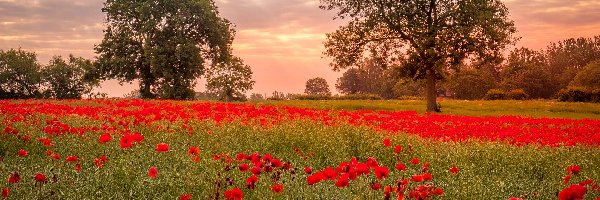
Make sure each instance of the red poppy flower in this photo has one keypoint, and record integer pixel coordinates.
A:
(185, 196)
(14, 178)
(427, 177)
(251, 182)
(162, 147)
(276, 163)
(453, 170)
(400, 167)
(417, 178)
(244, 167)
(387, 142)
(234, 194)
(398, 149)
(343, 181)
(152, 172)
(22, 153)
(573, 169)
(78, 167)
(329, 173)
(194, 151)
(514, 198)
(573, 192)
(240, 156)
(39, 177)
(105, 138)
(46, 142)
(255, 170)
(308, 170)
(315, 178)
(137, 137)
(56, 156)
(566, 179)
(414, 161)
(126, 141)
(376, 186)
(381, 172)
(5, 192)
(71, 158)
(277, 188)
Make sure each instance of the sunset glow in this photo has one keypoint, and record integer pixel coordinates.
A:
(280, 40)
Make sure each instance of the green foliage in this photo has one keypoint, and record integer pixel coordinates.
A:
(471, 84)
(566, 58)
(67, 79)
(20, 75)
(495, 94)
(163, 44)
(517, 94)
(369, 78)
(317, 86)
(527, 69)
(579, 94)
(313, 97)
(487, 170)
(256, 97)
(229, 81)
(422, 38)
(359, 97)
(588, 77)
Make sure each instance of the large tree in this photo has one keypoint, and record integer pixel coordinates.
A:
(422, 37)
(162, 43)
(230, 80)
(317, 86)
(66, 79)
(19, 74)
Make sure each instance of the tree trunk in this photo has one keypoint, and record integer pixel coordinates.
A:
(431, 91)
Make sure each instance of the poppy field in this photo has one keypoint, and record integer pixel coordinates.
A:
(138, 149)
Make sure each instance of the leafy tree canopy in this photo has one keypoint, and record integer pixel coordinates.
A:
(66, 79)
(230, 80)
(317, 86)
(19, 74)
(421, 37)
(164, 44)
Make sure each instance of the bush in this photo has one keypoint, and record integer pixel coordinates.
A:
(578, 94)
(517, 94)
(312, 97)
(359, 97)
(495, 94)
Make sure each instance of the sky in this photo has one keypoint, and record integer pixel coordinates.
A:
(282, 40)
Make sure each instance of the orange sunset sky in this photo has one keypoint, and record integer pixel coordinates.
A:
(280, 39)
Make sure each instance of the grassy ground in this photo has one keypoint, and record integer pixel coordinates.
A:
(486, 170)
(531, 108)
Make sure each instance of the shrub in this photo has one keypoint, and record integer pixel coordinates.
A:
(578, 94)
(517, 94)
(312, 97)
(359, 97)
(495, 94)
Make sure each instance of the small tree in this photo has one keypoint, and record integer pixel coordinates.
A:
(230, 80)
(66, 79)
(256, 97)
(471, 84)
(19, 74)
(317, 86)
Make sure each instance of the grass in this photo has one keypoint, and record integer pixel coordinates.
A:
(532, 108)
(487, 171)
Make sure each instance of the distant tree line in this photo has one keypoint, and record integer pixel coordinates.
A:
(22, 77)
(163, 45)
(572, 63)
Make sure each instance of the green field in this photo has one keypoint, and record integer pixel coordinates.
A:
(486, 170)
(551, 109)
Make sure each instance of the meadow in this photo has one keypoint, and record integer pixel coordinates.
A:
(136, 149)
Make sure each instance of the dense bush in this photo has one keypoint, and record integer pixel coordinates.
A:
(312, 97)
(579, 94)
(495, 94)
(517, 94)
(359, 97)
